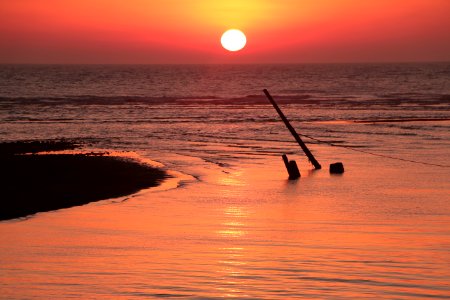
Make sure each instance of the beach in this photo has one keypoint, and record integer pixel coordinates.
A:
(34, 182)
(229, 223)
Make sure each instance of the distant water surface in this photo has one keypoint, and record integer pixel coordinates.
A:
(235, 226)
(364, 81)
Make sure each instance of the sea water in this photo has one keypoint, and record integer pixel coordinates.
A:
(232, 225)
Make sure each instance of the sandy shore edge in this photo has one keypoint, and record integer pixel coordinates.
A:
(43, 182)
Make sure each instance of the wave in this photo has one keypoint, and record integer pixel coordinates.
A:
(397, 99)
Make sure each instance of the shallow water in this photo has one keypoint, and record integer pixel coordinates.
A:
(231, 225)
(244, 232)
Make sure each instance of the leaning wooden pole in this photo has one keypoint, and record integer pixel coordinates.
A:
(305, 149)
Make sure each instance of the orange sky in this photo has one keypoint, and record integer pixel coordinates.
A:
(188, 31)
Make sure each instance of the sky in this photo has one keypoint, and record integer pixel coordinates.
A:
(189, 31)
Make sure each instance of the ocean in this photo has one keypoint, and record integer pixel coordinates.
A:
(230, 224)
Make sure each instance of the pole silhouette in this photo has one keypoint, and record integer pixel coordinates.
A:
(305, 149)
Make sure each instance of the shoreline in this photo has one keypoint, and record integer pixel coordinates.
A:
(36, 182)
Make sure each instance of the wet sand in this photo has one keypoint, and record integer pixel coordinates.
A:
(42, 182)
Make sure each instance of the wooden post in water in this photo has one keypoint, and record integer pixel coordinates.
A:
(291, 167)
(305, 149)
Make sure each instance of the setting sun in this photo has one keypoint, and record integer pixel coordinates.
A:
(233, 40)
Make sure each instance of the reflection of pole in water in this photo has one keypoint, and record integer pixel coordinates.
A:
(305, 149)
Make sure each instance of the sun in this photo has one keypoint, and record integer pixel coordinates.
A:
(233, 40)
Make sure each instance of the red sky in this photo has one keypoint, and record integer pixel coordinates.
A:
(188, 31)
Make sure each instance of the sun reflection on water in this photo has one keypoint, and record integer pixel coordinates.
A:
(233, 225)
(233, 179)
(231, 271)
(235, 211)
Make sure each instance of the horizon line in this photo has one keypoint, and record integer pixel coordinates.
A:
(218, 63)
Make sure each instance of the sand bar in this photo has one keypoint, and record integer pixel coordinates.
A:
(37, 183)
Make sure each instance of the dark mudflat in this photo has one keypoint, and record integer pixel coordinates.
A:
(44, 182)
